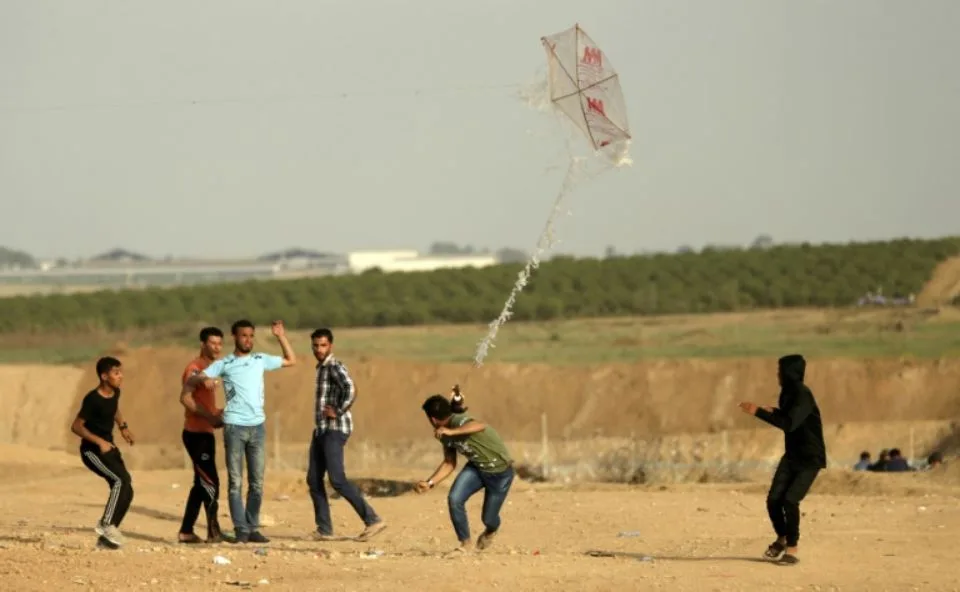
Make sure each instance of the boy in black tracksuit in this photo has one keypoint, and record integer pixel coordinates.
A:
(94, 424)
(805, 454)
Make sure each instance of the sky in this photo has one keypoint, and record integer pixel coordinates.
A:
(228, 128)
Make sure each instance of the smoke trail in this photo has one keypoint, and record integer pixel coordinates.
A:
(545, 242)
(536, 95)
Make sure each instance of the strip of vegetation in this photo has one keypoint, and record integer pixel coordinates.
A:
(709, 281)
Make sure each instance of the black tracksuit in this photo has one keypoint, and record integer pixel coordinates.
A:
(805, 453)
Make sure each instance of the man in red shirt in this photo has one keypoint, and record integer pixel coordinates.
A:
(201, 418)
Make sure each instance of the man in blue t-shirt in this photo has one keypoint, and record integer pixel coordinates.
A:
(244, 422)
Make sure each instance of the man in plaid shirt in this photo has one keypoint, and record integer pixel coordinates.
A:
(335, 394)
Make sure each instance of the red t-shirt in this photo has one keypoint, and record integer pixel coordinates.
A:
(203, 396)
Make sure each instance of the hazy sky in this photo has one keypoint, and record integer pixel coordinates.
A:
(229, 128)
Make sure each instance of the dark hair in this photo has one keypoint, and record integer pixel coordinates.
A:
(322, 332)
(241, 324)
(895, 452)
(437, 407)
(864, 455)
(208, 332)
(106, 364)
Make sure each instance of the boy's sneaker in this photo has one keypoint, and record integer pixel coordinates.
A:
(103, 543)
(112, 534)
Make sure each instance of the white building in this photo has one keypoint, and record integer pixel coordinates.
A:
(410, 260)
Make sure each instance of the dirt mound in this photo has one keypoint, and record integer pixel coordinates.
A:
(38, 402)
(646, 398)
(944, 285)
(21, 463)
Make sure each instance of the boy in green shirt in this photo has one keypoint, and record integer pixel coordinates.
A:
(489, 467)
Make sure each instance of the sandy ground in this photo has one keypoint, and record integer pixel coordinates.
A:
(860, 531)
(679, 537)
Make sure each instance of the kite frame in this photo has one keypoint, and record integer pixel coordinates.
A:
(576, 79)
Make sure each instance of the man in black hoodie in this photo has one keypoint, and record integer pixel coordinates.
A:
(805, 454)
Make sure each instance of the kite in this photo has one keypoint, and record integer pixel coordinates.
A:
(583, 86)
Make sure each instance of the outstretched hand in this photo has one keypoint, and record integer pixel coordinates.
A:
(421, 487)
(278, 329)
(748, 408)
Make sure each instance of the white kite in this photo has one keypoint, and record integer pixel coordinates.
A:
(585, 89)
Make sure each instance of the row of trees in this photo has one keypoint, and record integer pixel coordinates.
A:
(709, 281)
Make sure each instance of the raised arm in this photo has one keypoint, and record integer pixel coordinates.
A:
(471, 426)
(289, 357)
(793, 414)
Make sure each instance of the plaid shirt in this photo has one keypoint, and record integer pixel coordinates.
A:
(335, 388)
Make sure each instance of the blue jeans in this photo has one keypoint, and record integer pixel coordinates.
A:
(326, 456)
(471, 480)
(245, 442)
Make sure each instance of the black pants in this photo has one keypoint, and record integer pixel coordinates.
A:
(110, 466)
(790, 485)
(326, 456)
(202, 447)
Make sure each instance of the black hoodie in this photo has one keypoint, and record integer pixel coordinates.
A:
(798, 416)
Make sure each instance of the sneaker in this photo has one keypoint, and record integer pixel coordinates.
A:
(99, 529)
(103, 543)
(372, 530)
(241, 537)
(112, 534)
(486, 539)
(323, 538)
(256, 537)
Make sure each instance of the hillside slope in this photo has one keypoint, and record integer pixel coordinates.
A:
(944, 284)
(648, 398)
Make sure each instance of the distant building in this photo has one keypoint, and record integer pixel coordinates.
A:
(128, 274)
(410, 260)
(122, 270)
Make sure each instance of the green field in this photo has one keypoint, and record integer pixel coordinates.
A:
(815, 333)
(711, 281)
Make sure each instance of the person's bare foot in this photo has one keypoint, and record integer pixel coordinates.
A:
(486, 539)
(372, 530)
(189, 538)
(465, 548)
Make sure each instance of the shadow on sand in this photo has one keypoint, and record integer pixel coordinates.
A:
(126, 533)
(647, 557)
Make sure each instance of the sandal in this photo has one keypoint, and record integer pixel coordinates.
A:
(774, 550)
(191, 539)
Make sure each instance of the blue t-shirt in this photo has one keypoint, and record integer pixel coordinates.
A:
(243, 385)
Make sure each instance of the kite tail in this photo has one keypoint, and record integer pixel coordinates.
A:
(544, 243)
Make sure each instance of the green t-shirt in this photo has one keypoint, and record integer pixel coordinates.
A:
(485, 449)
